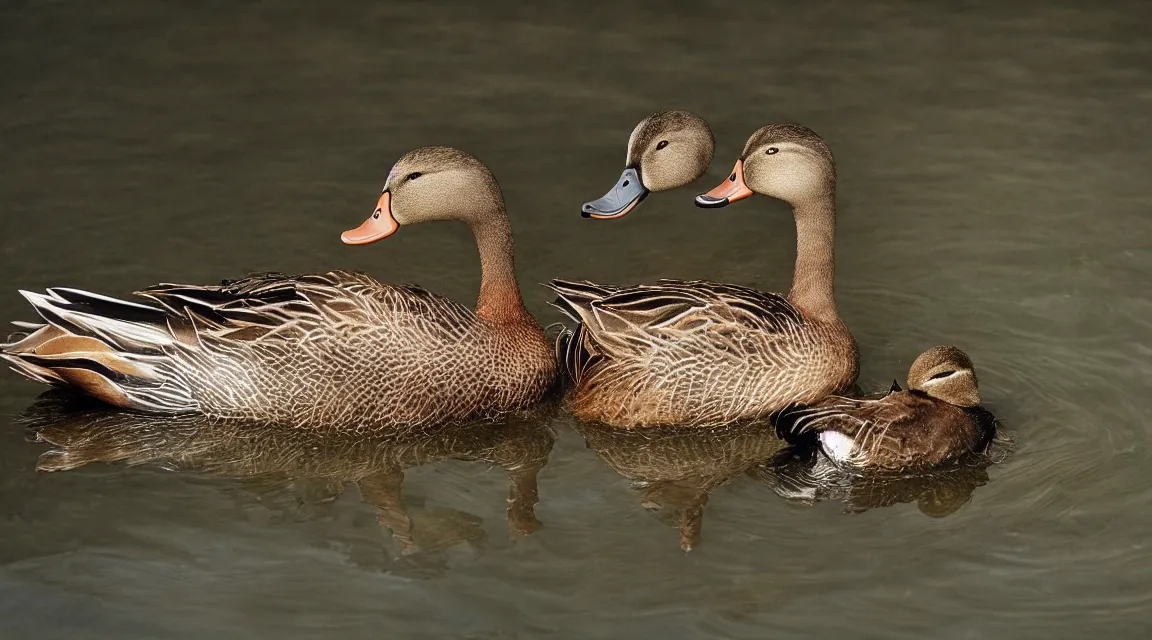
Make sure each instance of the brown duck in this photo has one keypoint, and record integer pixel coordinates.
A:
(699, 353)
(937, 420)
(338, 349)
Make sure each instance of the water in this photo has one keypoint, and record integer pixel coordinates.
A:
(993, 162)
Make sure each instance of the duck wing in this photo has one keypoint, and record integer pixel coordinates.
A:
(290, 307)
(691, 315)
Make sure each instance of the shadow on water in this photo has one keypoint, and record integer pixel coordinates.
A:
(300, 473)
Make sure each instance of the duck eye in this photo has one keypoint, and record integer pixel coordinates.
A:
(414, 175)
(772, 150)
(660, 145)
(942, 374)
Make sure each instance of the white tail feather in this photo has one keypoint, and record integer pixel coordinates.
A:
(111, 330)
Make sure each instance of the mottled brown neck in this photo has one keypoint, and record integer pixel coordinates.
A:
(500, 299)
(813, 278)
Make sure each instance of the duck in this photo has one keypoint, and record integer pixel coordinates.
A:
(339, 349)
(666, 150)
(937, 420)
(697, 353)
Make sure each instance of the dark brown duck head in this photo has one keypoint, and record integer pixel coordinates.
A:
(945, 373)
(668, 149)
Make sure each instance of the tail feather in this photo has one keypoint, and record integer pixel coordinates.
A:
(574, 354)
(104, 305)
(580, 293)
(94, 383)
(43, 306)
(575, 348)
(125, 326)
(32, 372)
(69, 347)
(571, 312)
(574, 299)
(111, 349)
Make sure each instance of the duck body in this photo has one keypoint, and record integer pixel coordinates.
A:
(696, 353)
(339, 349)
(901, 431)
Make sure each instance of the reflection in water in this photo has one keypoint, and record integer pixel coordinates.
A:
(801, 474)
(305, 468)
(675, 469)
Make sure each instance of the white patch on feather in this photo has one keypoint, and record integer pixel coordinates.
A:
(837, 446)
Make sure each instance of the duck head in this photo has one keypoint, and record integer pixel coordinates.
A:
(785, 161)
(430, 183)
(945, 373)
(668, 149)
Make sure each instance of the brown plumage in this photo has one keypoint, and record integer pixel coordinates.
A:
(268, 457)
(696, 353)
(936, 421)
(339, 349)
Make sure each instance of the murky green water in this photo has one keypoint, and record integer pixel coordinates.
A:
(994, 163)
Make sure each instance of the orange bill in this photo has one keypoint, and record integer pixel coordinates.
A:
(378, 226)
(729, 191)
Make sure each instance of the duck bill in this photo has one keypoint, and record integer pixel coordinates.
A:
(622, 198)
(378, 226)
(729, 191)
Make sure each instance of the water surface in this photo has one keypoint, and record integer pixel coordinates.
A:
(993, 162)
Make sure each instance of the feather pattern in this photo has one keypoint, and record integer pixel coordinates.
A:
(695, 353)
(339, 349)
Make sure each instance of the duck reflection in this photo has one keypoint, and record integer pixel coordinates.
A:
(675, 469)
(312, 467)
(804, 475)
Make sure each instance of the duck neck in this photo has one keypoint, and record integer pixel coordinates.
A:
(813, 279)
(499, 299)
